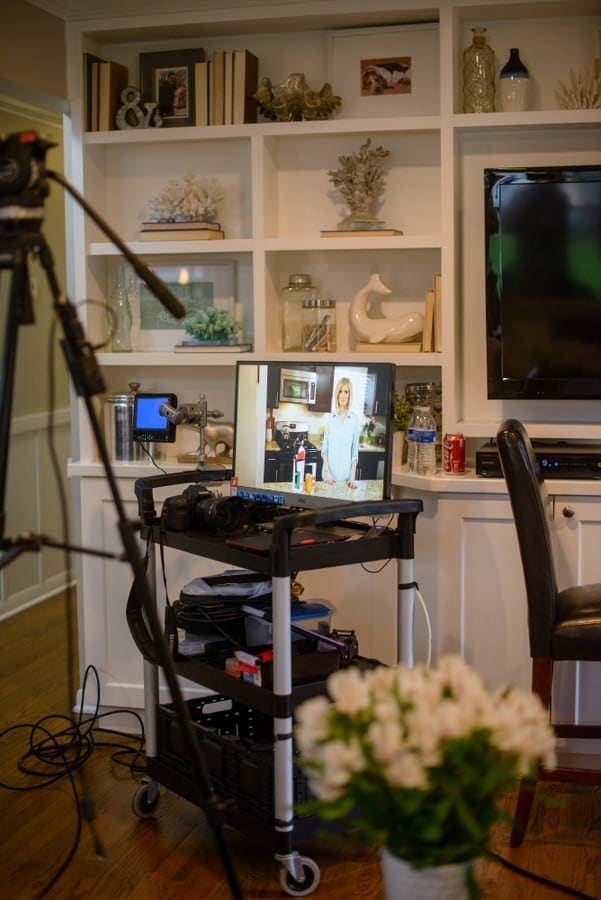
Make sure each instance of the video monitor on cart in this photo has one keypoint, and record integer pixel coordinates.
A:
(313, 434)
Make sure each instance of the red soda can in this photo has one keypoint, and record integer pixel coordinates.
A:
(453, 454)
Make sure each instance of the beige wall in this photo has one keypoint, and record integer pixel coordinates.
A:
(33, 95)
(33, 48)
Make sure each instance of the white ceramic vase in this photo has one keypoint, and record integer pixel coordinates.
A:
(432, 883)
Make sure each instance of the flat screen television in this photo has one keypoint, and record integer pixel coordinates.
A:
(310, 435)
(543, 282)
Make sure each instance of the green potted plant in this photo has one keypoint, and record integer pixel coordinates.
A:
(215, 326)
(401, 413)
(416, 761)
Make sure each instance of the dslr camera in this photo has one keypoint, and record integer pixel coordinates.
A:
(199, 509)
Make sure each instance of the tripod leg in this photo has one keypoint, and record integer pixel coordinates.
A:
(88, 382)
(18, 312)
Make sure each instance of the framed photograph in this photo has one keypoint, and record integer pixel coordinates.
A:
(387, 71)
(386, 75)
(195, 286)
(167, 79)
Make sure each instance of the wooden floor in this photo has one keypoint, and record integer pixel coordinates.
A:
(173, 855)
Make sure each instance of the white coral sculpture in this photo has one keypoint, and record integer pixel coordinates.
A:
(191, 198)
(583, 91)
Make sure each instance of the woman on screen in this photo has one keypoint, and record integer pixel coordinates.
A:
(340, 449)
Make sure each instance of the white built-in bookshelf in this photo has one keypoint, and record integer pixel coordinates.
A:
(278, 196)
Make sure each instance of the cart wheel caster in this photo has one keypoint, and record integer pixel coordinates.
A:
(309, 883)
(145, 800)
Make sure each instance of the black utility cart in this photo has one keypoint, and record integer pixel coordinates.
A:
(246, 730)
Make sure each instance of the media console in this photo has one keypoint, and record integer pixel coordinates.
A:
(558, 460)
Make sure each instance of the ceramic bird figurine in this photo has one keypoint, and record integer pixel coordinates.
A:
(377, 330)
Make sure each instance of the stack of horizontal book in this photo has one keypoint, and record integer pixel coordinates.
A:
(191, 346)
(181, 231)
(224, 86)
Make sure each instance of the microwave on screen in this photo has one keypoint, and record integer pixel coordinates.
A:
(298, 386)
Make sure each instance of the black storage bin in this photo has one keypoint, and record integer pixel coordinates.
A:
(237, 746)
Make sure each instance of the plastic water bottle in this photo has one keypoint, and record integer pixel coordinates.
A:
(424, 432)
(411, 442)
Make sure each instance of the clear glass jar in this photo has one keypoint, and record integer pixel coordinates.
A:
(478, 75)
(319, 325)
(299, 289)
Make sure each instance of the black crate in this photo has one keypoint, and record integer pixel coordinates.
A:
(237, 746)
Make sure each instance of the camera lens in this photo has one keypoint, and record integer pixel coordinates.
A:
(225, 515)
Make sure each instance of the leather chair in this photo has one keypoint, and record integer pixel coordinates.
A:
(562, 625)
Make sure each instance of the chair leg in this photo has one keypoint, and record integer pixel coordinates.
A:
(522, 811)
(542, 679)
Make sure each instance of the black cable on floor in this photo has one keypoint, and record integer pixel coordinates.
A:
(540, 879)
(58, 746)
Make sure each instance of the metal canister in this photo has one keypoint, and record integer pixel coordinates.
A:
(453, 454)
(118, 413)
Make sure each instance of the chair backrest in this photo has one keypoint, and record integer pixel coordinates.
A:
(532, 515)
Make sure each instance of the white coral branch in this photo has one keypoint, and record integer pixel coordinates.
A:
(191, 198)
(583, 91)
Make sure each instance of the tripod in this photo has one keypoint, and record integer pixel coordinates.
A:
(23, 186)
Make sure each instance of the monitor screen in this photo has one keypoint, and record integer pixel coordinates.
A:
(310, 435)
(150, 422)
(543, 282)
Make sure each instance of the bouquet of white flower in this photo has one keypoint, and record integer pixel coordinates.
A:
(417, 759)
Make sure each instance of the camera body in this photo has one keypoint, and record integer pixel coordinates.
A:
(199, 509)
(22, 171)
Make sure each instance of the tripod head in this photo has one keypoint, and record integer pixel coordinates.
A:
(23, 181)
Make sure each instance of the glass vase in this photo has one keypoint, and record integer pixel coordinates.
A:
(478, 75)
(119, 316)
(514, 84)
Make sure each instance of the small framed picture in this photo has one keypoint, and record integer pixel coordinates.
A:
(167, 79)
(386, 71)
(387, 75)
(195, 286)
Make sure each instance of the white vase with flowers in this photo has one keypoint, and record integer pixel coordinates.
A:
(416, 760)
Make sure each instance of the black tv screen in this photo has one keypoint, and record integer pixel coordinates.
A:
(543, 282)
(310, 435)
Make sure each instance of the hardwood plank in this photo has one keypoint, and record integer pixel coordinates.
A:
(172, 854)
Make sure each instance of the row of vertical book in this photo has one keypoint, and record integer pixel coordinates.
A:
(432, 336)
(224, 86)
(223, 89)
(104, 80)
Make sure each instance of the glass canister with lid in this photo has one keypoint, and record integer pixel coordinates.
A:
(299, 289)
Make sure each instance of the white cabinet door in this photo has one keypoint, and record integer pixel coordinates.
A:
(481, 598)
(106, 642)
(469, 572)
